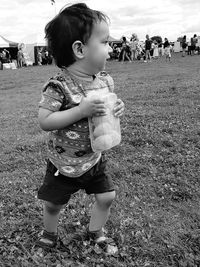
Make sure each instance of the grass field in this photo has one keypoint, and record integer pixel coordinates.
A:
(155, 218)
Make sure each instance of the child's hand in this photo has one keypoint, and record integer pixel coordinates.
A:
(119, 108)
(93, 107)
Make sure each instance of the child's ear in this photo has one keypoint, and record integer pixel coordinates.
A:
(78, 49)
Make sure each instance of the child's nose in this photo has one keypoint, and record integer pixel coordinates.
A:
(110, 49)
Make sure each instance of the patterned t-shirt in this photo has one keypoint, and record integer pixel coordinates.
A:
(69, 149)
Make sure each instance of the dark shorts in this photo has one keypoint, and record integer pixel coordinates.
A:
(58, 189)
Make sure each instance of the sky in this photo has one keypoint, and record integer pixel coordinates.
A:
(20, 19)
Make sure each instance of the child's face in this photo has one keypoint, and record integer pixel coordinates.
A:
(97, 47)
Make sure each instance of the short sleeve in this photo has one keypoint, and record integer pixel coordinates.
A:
(52, 96)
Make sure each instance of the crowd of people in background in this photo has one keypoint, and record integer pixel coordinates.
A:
(138, 50)
(151, 48)
(125, 50)
(42, 57)
(191, 46)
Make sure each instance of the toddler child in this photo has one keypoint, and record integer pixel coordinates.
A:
(78, 40)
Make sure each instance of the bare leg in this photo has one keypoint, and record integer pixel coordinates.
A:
(101, 210)
(100, 213)
(123, 55)
(51, 216)
(126, 56)
(132, 55)
(148, 57)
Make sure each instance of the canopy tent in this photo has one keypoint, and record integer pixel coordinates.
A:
(32, 43)
(113, 40)
(38, 39)
(177, 47)
(5, 43)
(198, 41)
(10, 46)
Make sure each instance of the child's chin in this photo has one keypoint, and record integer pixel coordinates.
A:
(102, 67)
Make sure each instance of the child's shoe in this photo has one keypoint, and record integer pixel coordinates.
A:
(47, 240)
(105, 243)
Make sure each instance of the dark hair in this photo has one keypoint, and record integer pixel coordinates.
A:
(73, 23)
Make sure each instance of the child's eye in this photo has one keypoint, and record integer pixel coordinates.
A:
(105, 42)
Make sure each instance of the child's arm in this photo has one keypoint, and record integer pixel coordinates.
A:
(50, 120)
(55, 120)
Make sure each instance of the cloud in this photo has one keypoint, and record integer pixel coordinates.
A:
(193, 28)
(188, 3)
(167, 18)
(23, 18)
(136, 21)
(130, 11)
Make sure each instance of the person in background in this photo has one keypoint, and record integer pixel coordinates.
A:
(193, 44)
(20, 58)
(116, 51)
(167, 49)
(125, 50)
(155, 49)
(1, 60)
(160, 49)
(8, 56)
(45, 57)
(133, 46)
(184, 45)
(189, 47)
(5, 57)
(39, 57)
(198, 47)
(148, 44)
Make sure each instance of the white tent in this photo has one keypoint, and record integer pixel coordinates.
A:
(111, 39)
(12, 48)
(3, 43)
(6, 43)
(198, 41)
(38, 39)
(31, 42)
(177, 47)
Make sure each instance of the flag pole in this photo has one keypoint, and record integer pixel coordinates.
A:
(55, 8)
(53, 2)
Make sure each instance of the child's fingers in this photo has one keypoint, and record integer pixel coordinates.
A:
(119, 114)
(98, 101)
(100, 106)
(119, 106)
(119, 110)
(100, 113)
(100, 109)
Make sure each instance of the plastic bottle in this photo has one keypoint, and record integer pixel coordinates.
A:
(105, 130)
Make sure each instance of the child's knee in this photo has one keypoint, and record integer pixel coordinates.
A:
(105, 199)
(51, 208)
